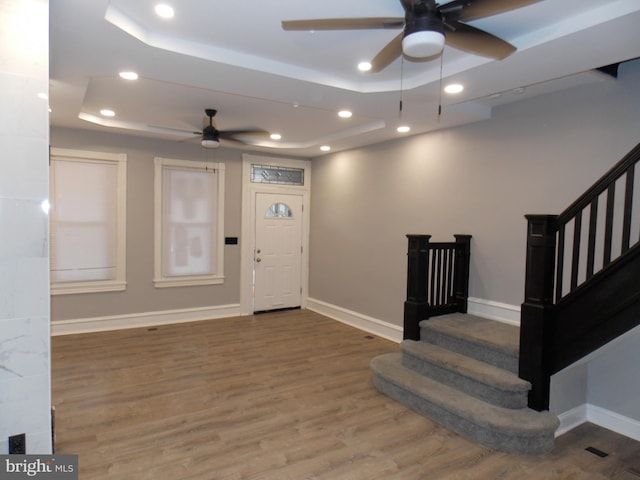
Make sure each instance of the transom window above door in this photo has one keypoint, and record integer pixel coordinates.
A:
(277, 175)
(279, 210)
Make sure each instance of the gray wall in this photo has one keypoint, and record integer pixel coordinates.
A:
(535, 156)
(141, 296)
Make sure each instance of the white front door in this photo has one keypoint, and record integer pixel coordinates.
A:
(278, 251)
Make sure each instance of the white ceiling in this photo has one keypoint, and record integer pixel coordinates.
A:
(234, 56)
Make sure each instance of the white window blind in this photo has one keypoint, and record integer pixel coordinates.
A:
(87, 239)
(189, 223)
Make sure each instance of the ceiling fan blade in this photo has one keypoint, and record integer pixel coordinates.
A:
(476, 41)
(388, 54)
(344, 23)
(231, 134)
(188, 139)
(240, 140)
(234, 140)
(471, 10)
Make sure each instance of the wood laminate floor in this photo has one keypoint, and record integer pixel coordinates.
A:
(275, 396)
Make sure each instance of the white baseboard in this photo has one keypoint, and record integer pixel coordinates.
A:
(613, 421)
(502, 312)
(357, 320)
(572, 419)
(137, 320)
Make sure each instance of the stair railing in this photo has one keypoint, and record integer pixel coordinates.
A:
(565, 253)
(437, 280)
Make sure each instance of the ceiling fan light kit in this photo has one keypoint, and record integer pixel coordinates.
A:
(423, 44)
(210, 143)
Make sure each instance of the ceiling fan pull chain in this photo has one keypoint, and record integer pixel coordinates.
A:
(440, 88)
(401, 89)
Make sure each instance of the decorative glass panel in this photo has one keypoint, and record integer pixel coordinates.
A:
(279, 210)
(277, 175)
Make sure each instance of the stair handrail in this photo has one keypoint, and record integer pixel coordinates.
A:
(629, 160)
(437, 279)
(546, 283)
(590, 200)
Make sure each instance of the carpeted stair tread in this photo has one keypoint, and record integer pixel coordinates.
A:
(483, 339)
(479, 329)
(479, 379)
(486, 414)
(522, 431)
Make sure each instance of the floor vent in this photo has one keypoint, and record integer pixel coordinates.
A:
(597, 452)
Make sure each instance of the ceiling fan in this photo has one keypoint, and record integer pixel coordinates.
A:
(210, 136)
(426, 26)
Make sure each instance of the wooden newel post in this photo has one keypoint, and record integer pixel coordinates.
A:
(536, 315)
(461, 276)
(416, 307)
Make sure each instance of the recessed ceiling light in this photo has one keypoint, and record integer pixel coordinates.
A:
(364, 66)
(454, 88)
(275, 136)
(403, 129)
(129, 75)
(325, 148)
(164, 10)
(344, 114)
(107, 113)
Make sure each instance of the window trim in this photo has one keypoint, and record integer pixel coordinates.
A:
(160, 281)
(120, 282)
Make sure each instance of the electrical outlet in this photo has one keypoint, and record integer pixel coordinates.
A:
(18, 444)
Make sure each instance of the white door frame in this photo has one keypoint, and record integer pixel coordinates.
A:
(248, 233)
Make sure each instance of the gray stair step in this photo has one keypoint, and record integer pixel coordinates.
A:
(520, 431)
(486, 340)
(473, 377)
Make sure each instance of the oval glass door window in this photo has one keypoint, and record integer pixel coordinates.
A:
(279, 210)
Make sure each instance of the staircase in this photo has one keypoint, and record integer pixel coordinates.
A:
(462, 373)
(581, 284)
(490, 381)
